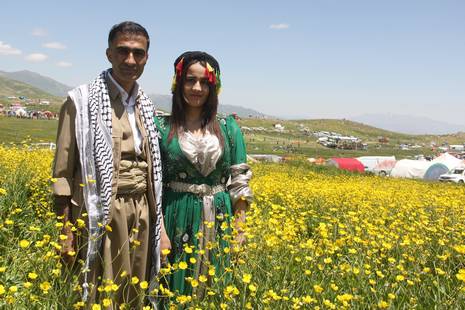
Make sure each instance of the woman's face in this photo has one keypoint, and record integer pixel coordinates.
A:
(196, 88)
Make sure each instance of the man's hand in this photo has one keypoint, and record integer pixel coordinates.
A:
(63, 210)
(68, 250)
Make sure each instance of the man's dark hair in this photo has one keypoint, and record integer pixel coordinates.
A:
(128, 27)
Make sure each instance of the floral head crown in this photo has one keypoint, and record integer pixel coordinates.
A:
(212, 69)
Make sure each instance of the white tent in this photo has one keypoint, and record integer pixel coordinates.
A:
(268, 158)
(413, 169)
(370, 162)
(384, 167)
(21, 112)
(448, 160)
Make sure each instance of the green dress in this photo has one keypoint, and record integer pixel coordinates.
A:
(183, 211)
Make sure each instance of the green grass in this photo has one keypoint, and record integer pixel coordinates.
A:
(16, 130)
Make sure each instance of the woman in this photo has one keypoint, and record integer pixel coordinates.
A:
(200, 152)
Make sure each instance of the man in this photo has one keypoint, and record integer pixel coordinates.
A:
(108, 173)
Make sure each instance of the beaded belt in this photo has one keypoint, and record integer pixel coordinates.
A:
(198, 189)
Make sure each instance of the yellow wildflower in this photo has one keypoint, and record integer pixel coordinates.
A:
(24, 243)
(144, 285)
(318, 289)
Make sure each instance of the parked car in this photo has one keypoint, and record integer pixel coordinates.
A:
(456, 175)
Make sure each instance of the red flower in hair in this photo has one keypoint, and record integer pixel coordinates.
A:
(179, 69)
(210, 73)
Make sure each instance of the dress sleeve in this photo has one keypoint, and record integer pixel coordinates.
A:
(66, 151)
(240, 170)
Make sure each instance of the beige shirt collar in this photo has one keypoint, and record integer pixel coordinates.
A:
(128, 101)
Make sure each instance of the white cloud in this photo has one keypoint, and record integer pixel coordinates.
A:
(6, 49)
(54, 45)
(279, 26)
(36, 57)
(39, 32)
(64, 64)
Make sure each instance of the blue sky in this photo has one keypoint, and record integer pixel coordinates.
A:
(309, 59)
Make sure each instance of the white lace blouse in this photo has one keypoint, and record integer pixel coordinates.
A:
(203, 151)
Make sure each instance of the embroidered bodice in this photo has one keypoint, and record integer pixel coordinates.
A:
(202, 151)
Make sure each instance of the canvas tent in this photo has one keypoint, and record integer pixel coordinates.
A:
(268, 158)
(20, 112)
(370, 162)
(349, 164)
(434, 171)
(385, 167)
(448, 160)
(408, 168)
(441, 165)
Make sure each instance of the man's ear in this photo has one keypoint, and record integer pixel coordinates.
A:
(108, 54)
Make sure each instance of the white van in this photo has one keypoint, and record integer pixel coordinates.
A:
(456, 175)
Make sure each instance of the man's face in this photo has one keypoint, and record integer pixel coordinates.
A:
(128, 56)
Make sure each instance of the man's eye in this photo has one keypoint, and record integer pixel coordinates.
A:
(139, 53)
(123, 51)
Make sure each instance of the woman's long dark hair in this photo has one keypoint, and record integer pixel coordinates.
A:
(209, 109)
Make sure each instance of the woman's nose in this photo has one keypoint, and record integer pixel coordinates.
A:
(197, 86)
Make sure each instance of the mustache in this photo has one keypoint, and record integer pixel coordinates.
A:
(126, 67)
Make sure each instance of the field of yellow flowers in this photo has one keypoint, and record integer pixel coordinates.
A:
(316, 239)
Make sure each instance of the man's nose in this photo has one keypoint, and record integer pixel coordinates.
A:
(130, 59)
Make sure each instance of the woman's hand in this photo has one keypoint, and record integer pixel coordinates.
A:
(239, 221)
(165, 244)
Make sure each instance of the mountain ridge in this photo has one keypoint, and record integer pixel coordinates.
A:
(39, 81)
(409, 124)
(46, 88)
(163, 102)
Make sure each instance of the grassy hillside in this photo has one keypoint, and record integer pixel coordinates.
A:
(291, 142)
(9, 87)
(345, 127)
(294, 141)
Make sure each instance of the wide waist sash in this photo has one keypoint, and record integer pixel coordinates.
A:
(198, 189)
(132, 177)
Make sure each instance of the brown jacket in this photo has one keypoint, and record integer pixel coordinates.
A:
(67, 188)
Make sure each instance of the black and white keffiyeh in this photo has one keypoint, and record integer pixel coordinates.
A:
(94, 140)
